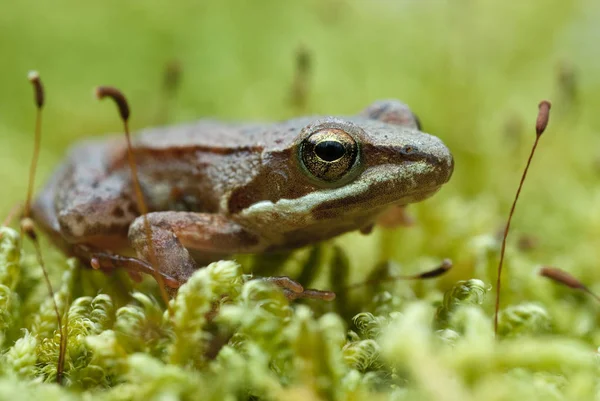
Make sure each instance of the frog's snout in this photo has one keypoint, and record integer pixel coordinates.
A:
(439, 157)
(450, 168)
(445, 164)
(433, 160)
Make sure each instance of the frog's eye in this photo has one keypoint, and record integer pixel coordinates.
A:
(329, 154)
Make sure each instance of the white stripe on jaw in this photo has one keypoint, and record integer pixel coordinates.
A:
(298, 212)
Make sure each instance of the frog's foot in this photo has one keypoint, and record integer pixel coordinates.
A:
(294, 290)
(107, 262)
(135, 267)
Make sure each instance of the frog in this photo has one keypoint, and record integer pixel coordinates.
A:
(218, 188)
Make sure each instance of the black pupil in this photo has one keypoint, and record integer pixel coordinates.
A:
(330, 150)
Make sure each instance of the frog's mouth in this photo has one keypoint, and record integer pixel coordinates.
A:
(381, 187)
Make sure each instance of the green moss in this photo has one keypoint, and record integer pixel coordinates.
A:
(234, 337)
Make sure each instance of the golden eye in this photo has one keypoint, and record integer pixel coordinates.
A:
(329, 154)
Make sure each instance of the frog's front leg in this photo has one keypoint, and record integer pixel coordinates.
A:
(175, 234)
(211, 236)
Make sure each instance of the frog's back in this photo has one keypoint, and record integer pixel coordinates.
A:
(225, 137)
(195, 155)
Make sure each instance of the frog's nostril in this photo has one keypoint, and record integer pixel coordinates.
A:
(408, 150)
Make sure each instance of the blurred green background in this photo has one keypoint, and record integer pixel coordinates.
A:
(474, 72)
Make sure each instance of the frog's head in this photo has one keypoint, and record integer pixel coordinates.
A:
(340, 174)
(367, 164)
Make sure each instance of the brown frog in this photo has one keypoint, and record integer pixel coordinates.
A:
(217, 188)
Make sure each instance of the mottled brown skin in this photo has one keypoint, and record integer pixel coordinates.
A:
(217, 188)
